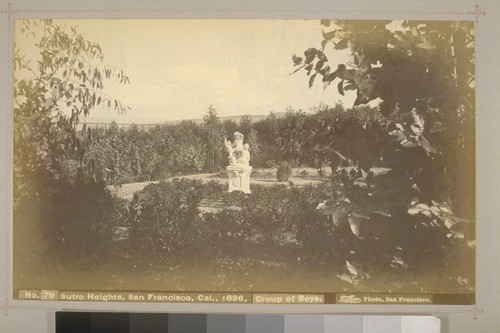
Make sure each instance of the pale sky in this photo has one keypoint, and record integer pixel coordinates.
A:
(177, 68)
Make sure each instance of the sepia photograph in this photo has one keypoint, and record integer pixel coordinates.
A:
(244, 161)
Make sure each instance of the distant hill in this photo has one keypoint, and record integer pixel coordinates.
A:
(236, 119)
(103, 123)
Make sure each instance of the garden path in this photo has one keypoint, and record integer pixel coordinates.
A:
(127, 191)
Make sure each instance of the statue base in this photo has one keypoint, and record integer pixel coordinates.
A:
(239, 178)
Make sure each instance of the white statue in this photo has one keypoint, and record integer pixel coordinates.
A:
(244, 159)
(239, 170)
(238, 153)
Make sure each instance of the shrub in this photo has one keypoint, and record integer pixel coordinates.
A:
(283, 172)
(275, 224)
(75, 220)
(164, 220)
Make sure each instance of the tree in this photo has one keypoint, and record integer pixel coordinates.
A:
(245, 125)
(251, 136)
(230, 126)
(424, 67)
(334, 135)
(269, 141)
(180, 147)
(215, 133)
(188, 152)
(107, 152)
(255, 146)
(422, 72)
(290, 132)
(58, 79)
(122, 156)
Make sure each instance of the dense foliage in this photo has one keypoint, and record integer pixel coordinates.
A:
(167, 225)
(53, 91)
(163, 151)
(126, 155)
(74, 222)
(423, 75)
(273, 226)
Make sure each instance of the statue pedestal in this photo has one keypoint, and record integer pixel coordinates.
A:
(239, 178)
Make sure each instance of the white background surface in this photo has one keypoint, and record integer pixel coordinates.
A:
(17, 316)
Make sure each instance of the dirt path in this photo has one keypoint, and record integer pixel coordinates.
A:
(127, 191)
